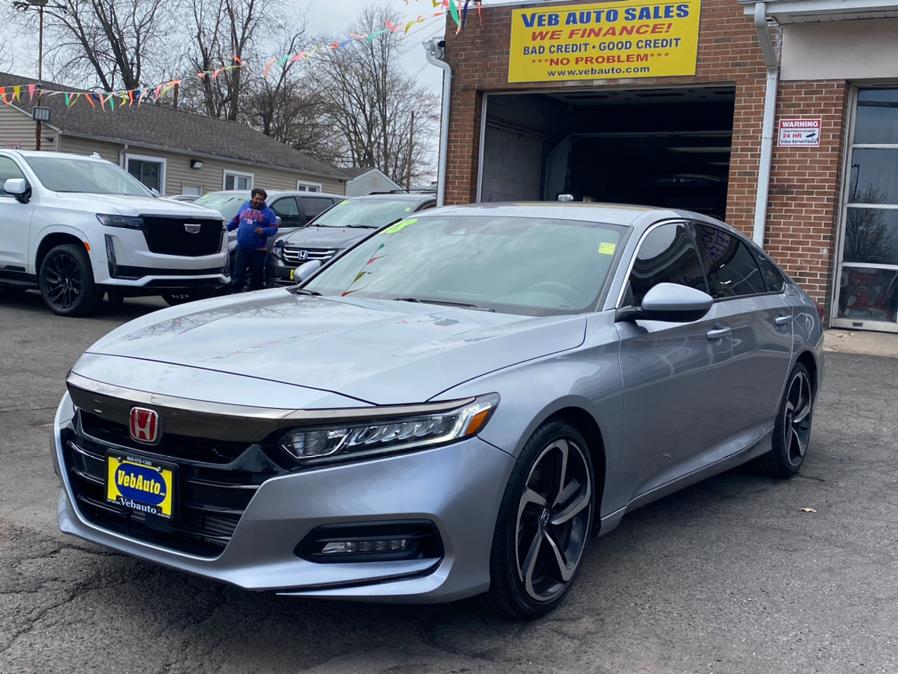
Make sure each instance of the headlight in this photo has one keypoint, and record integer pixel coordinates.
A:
(278, 249)
(359, 439)
(127, 221)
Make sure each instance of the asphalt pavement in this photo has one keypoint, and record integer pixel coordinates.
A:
(727, 576)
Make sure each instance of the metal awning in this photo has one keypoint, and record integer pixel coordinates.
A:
(810, 11)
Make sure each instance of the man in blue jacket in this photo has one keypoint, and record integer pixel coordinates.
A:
(254, 223)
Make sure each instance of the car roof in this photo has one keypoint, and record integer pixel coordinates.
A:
(418, 198)
(276, 194)
(628, 215)
(53, 155)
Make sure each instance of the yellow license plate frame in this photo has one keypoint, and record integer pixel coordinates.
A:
(141, 484)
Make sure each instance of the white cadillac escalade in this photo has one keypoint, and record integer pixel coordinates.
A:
(75, 227)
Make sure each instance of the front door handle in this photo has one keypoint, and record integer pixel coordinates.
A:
(782, 320)
(718, 333)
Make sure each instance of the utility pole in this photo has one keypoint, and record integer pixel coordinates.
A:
(408, 159)
(40, 65)
(24, 5)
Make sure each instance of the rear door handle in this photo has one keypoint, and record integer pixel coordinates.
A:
(718, 333)
(782, 320)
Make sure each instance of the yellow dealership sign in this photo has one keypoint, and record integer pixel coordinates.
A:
(606, 40)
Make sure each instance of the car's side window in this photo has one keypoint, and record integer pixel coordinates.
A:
(732, 270)
(773, 278)
(8, 170)
(288, 212)
(668, 254)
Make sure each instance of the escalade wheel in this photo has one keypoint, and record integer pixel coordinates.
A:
(792, 430)
(544, 523)
(67, 282)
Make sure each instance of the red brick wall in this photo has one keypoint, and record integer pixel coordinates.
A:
(803, 204)
(804, 191)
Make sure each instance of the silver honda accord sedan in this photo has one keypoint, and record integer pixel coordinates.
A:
(456, 405)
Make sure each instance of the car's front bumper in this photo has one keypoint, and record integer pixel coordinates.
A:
(280, 272)
(457, 487)
(127, 265)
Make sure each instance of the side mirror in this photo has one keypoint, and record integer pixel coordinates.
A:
(306, 270)
(19, 188)
(669, 302)
(155, 192)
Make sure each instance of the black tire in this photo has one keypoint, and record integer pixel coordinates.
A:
(67, 282)
(114, 300)
(526, 576)
(792, 429)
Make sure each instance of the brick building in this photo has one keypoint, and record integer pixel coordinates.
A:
(828, 69)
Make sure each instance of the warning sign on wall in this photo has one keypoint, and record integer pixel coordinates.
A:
(799, 133)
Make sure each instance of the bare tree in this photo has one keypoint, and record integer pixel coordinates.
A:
(109, 42)
(222, 35)
(383, 115)
(287, 104)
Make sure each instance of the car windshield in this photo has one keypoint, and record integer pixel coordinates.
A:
(87, 176)
(226, 204)
(365, 212)
(515, 265)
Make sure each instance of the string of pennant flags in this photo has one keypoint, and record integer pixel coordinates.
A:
(111, 100)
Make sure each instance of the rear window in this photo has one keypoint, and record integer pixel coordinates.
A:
(732, 269)
(773, 278)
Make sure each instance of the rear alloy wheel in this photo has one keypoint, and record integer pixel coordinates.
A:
(544, 523)
(67, 282)
(792, 430)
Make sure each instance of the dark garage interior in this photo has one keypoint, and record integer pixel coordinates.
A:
(659, 147)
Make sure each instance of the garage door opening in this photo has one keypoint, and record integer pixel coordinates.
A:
(659, 147)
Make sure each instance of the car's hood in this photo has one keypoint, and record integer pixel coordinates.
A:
(326, 237)
(133, 205)
(376, 351)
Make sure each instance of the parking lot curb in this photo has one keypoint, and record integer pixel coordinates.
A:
(861, 343)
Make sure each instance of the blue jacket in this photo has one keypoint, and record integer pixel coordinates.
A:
(246, 221)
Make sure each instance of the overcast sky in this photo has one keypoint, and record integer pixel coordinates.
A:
(335, 16)
(324, 16)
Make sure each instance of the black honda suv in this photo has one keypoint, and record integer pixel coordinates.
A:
(339, 227)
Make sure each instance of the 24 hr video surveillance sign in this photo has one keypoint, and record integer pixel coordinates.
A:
(607, 40)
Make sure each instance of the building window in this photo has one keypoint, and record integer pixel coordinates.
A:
(192, 190)
(148, 170)
(867, 287)
(238, 181)
(302, 186)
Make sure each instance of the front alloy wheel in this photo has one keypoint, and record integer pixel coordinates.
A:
(67, 282)
(544, 523)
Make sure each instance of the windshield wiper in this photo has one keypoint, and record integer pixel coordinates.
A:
(361, 227)
(463, 305)
(305, 291)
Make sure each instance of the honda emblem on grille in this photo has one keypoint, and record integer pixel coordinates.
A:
(144, 425)
(302, 254)
(192, 227)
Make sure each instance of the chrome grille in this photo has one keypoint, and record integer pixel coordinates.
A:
(215, 483)
(300, 254)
